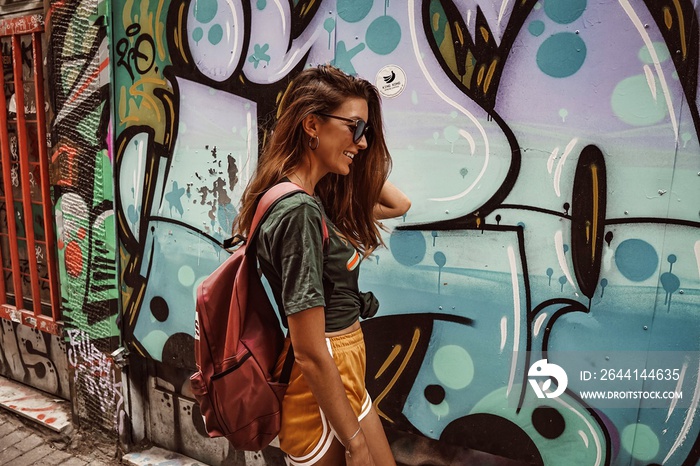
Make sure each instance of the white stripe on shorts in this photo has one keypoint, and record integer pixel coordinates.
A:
(326, 438)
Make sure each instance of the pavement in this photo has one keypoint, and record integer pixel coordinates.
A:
(24, 442)
(36, 429)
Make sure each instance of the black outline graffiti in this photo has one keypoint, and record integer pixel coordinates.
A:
(588, 208)
(265, 97)
(142, 59)
(485, 53)
(587, 254)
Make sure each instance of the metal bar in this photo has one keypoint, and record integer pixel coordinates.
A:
(24, 173)
(9, 196)
(43, 323)
(21, 25)
(49, 233)
(3, 291)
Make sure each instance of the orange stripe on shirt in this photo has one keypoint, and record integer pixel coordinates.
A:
(353, 261)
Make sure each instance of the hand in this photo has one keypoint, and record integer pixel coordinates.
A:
(357, 452)
(392, 202)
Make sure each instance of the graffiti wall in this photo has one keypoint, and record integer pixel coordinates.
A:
(34, 358)
(550, 150)
(81, 176)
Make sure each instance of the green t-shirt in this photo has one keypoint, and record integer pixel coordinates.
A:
(290, 252)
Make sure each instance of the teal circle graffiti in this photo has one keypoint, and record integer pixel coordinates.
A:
(261, 4)
(536, 28)
(451, 133)
(407, 247)
(564, 11)
(442, 410)
(686, 137)
(440, 259)
(197, 34)
(636, 259)
(383, 35)
(185, 275)
(205, 10)
(216, 33)
(633, 102)
(670, 282)
(561, 54)
(132, 214)
(453, 367)
(154, 342)
(329, 25)
(640, 441)
(195, 286)
(661, 50)
(353, 11)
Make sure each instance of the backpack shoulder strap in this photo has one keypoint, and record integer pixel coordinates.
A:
(269, 199)
(265, 202)
(326, 238)
(271, 196)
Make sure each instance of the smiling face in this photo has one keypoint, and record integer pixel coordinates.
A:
(336, 149)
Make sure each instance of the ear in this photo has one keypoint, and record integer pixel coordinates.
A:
(310, 125)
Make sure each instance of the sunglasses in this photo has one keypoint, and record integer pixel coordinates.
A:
(359, 126)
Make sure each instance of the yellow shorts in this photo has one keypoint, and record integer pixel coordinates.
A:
(306, 434)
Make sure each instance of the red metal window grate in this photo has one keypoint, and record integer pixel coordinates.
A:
(29, 291)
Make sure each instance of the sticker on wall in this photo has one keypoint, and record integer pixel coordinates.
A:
(391, 81)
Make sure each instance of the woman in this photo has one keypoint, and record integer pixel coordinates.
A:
(328, 139)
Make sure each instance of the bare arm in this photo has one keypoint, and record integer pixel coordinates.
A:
(307, 331)
(392, 202)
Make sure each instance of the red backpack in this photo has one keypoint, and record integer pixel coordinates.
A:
(238, 340)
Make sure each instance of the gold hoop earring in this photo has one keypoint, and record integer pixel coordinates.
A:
(318, 141)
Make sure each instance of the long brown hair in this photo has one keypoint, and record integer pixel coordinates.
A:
(348, 200)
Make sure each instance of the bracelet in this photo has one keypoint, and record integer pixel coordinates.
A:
(347, 442)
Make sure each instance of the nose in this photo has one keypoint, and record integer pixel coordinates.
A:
(362, 143)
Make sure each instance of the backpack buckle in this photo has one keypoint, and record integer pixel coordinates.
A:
(234, 241)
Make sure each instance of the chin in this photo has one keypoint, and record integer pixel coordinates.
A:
(342, 171)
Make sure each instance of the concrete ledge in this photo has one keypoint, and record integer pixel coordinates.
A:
(42, 408)
(155, 456)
